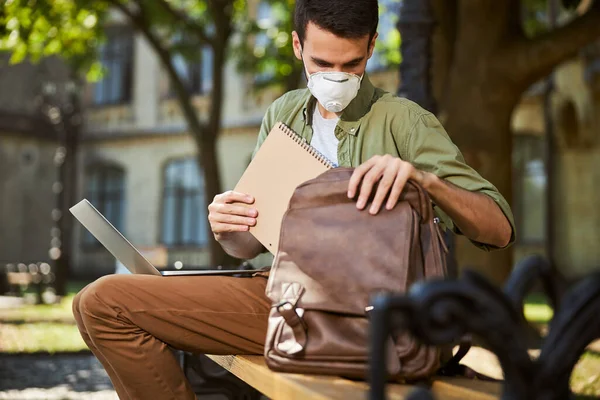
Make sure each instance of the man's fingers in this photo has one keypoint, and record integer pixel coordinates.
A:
(225, 223)
(357, 176)
(233, 214)
(226, 228)
(232, 219)
(369, 180)
(383, 189)
(225, 216)
(234, 197)
(232, 209)
(397, 188)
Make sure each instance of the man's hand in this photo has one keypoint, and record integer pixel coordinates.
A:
(226, 217)
(476, 215)
(391, 173)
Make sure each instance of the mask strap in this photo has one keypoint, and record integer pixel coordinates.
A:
(306, 74)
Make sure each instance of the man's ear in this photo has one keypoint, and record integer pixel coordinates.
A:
(372, 45)
(297, 45)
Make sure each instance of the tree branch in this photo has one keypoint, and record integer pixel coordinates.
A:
(531, 60)
(222, 14)
(183, 96)
(190, 24)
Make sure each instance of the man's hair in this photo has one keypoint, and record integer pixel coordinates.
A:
(350, 19)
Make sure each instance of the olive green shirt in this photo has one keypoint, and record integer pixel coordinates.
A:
(376, 123)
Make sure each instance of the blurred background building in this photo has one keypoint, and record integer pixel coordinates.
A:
(136, 161)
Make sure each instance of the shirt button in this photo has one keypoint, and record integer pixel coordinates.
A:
(352, 130)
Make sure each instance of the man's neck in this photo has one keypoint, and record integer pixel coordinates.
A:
(327, 114)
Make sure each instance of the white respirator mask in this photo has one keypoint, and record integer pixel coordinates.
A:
(334, 90)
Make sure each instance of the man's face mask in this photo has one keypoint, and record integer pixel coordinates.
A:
(334, 90)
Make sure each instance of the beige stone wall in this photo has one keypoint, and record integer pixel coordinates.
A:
(576, 109)
(576, 115)
(27, 173)
(143, 159)
(578, 215)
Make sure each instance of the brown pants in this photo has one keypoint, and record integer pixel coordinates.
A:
(128, 321)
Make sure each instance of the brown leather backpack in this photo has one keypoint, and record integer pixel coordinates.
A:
(331, 259)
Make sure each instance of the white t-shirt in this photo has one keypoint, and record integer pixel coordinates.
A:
(324, 139)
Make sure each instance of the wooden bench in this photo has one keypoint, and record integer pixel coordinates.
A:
(279, 386)
(17, 278)
(20, 278)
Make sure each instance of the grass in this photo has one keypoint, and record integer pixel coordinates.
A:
(585, 380)
(537, 310)
(41, 328)
(43, 313)
(36, 337)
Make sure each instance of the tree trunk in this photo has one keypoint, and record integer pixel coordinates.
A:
(207, 141)
(489, 152)
(478, 119)
(416, 27)
(476, 105)
(209, 165)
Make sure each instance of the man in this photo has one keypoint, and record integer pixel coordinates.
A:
(129, 321)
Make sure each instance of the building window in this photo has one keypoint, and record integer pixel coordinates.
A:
(197, 75)
(387, 45)
(530, 189)
(184, 214)
(116, 56)
(105, 189)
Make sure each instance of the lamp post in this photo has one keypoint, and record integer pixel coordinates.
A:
(61, 106)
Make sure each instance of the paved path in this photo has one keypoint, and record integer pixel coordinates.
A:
(76, 377)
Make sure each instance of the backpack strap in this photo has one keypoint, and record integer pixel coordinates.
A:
(291, 314)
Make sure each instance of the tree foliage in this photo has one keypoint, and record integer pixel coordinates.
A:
(38, 29)
(74, 30)
(264, 46)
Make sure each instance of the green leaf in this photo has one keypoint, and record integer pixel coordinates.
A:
(95, 72)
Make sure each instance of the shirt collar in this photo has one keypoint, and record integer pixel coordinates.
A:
(351, 117)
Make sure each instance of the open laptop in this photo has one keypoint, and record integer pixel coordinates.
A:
(124, 251)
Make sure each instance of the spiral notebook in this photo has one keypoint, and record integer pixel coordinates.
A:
(283, 161)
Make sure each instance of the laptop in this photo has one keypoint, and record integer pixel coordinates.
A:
(125, 252)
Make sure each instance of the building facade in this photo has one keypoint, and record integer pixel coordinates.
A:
(28, 145)
(138, 165)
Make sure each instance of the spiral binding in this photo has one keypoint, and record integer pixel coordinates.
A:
(305, 145)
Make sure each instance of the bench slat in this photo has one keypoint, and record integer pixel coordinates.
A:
(254, 371)
(19, 278)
